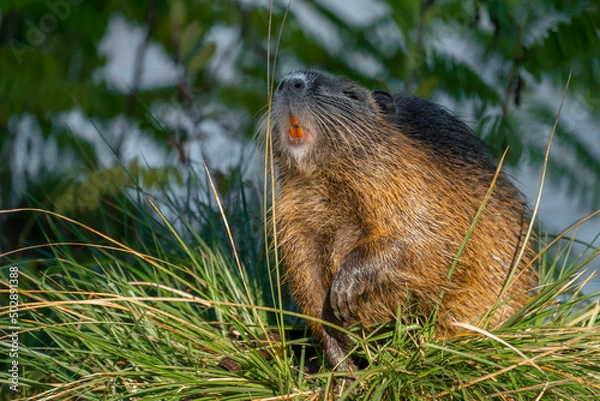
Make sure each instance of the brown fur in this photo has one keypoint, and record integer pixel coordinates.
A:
(374, 203)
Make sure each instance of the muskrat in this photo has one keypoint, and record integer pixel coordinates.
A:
(376, 195)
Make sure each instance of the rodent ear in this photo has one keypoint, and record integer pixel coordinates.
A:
(385, 101)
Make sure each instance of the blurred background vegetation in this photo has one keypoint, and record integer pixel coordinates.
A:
(99, 97)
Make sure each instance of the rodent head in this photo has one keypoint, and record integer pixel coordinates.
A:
(318, 117)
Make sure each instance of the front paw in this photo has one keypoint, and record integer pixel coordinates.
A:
(345, 290)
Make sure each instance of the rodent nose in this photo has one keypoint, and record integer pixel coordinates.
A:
(292, 84)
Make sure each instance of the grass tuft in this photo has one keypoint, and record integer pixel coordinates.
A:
(121, 324)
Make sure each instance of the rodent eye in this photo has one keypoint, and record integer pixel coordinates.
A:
(351, 94)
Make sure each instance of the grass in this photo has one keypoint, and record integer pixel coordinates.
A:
(100, 320)
(156, 317)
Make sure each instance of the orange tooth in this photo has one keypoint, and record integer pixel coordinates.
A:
(296, 131)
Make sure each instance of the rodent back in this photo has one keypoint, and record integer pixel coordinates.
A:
(438, 129)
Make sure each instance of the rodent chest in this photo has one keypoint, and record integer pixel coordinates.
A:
(323, 216)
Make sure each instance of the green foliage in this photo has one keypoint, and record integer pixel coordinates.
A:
(86, 196)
